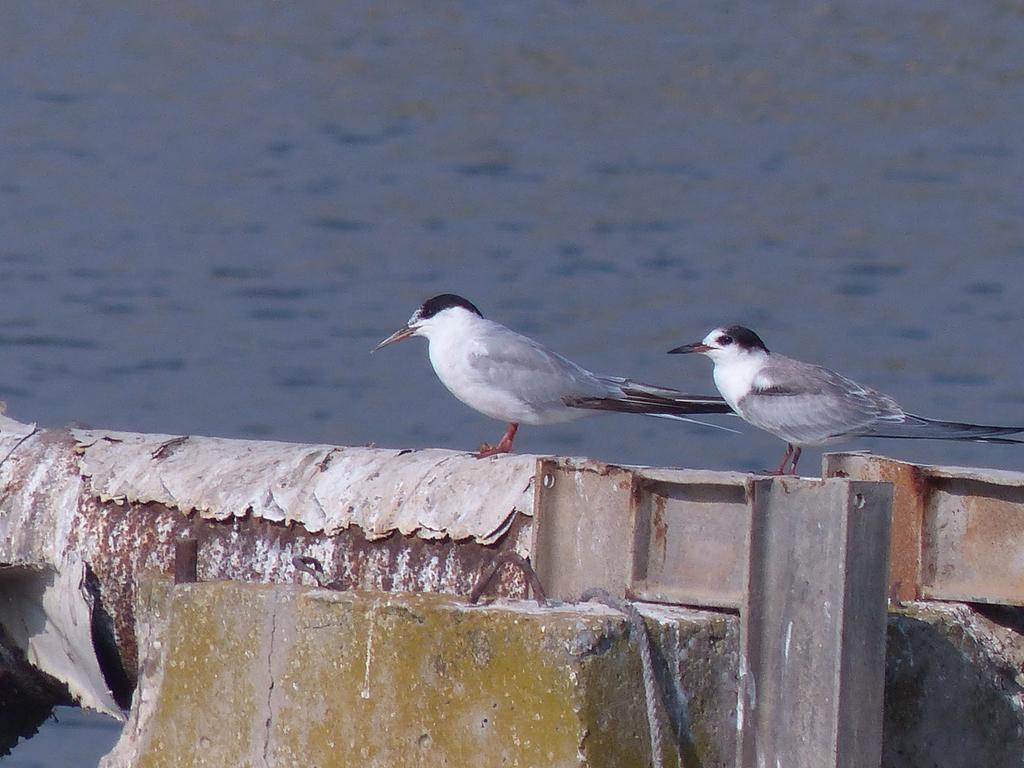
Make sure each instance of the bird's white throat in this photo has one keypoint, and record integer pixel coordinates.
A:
(737, 373)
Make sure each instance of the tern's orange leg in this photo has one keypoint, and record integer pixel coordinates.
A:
(504, 445)
(796, 457)
(791, 452)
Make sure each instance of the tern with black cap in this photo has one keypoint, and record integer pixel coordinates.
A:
(807, 404)
(512, 378)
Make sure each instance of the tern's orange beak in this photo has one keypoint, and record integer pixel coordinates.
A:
(401, 333)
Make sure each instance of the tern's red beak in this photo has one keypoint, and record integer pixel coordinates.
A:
(401, 333)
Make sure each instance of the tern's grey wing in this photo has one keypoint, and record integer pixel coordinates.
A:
(506, 360)
(806, 404)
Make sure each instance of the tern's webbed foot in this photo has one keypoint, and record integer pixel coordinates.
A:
(504, 445)
(486, 449)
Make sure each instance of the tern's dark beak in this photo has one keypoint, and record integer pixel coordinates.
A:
(697, 346)
(401, 333)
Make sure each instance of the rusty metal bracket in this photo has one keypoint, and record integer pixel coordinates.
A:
(500, 559)
(186, 561)
(313, 567)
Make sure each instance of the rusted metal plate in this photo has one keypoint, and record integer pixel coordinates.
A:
(907, 514)
(692, 537)
(671, 536)
(583, 527)
(958, 533)
(974, 542)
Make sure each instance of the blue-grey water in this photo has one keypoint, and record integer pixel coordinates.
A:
(211, 212)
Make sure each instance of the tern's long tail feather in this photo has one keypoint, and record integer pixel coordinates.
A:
(630, 396)
(920, 428)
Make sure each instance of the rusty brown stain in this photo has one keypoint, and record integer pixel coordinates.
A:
(749, 492)
(636, 491)
(601, 469)
(120, 541)
(918, 481)
(660, 526)
(908, 537)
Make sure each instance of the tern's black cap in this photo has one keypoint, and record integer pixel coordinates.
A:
(744, 337)
(445, 301)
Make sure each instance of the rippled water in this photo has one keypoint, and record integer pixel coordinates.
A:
(210, 214)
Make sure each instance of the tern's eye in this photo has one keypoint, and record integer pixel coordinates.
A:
(724, 341)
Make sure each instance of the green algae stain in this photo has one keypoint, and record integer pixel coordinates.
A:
(208, 701)
(391, 680)
(416, 680)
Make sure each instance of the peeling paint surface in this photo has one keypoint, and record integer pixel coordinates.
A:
(432, 493)
(47, 613)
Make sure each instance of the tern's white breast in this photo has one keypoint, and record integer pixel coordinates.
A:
(736, 376)
(505, 375)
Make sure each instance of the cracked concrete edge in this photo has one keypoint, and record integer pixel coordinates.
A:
(279, 633)
(954, 694)
(977, 638)
(152, 624)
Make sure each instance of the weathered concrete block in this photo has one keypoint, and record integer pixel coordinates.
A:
(954, 694)
(264, 675)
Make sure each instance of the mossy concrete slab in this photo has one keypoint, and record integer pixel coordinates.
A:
(257, 675)
(419, 680)
(215, 677)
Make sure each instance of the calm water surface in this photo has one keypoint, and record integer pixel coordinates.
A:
(211, 214)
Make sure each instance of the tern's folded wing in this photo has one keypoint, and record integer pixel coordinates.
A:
(806, 404)
(508, 361)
